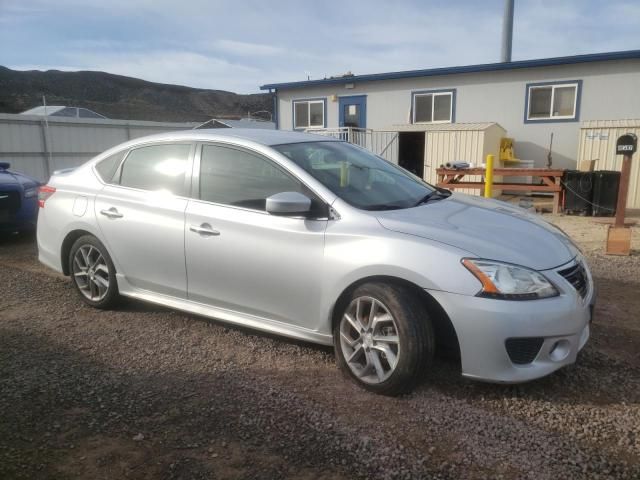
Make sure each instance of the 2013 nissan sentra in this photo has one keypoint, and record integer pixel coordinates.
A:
(313, 238)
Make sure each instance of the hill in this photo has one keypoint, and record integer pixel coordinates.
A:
(116, 96)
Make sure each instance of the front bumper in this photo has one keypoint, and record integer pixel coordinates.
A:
(483, 326)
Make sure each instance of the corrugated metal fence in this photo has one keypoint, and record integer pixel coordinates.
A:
(38, 147)
(598, 142)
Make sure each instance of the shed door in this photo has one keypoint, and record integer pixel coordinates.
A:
(411, 152)
(353, 111)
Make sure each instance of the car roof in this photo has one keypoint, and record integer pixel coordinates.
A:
(260, 136)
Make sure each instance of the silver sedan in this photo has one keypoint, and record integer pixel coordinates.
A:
(317, 239)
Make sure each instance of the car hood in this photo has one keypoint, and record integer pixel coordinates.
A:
(485, 228)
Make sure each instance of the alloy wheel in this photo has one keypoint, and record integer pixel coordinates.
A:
(91, 272)
(369, 339)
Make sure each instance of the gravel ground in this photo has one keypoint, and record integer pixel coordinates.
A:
(146, 392)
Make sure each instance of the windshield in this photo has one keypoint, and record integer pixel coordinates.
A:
(357, 176)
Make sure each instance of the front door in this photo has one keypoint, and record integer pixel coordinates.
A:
(241, 258)
(353, 111)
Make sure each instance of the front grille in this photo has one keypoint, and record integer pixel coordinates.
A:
(577, 276)
(9, 202)
(523, 350)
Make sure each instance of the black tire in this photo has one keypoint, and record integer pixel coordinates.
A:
(414, 331)
(111, 297)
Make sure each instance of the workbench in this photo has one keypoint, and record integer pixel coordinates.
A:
(551, 180)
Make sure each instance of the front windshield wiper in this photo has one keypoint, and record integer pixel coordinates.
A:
(439, 194)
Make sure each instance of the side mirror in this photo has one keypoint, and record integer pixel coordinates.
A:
(288, 203)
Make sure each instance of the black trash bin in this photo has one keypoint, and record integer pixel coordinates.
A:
(605, 193)
(578, 188)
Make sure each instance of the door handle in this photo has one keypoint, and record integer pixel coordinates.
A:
(111, 213)
(204, 229)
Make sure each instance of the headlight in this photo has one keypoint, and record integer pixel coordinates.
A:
(31, 192)
(509, 282)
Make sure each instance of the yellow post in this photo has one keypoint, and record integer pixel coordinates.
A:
(488, 177)
(344, 174)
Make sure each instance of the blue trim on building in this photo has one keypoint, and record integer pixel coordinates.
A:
(452, 91)
(486, 67)
(362, 102)
(293, 111)
(576, 118)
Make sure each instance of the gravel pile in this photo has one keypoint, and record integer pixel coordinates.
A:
(146, 392)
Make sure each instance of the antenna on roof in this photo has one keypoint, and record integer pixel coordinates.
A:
(47, 136)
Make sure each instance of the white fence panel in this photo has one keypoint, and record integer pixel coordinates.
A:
(382, 143)
(37, 147)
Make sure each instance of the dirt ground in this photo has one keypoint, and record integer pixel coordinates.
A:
(144, 392)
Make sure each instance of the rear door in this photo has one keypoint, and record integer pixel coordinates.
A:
(141, 215)
(241, 258)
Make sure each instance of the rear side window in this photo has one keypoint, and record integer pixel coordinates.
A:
(157, 167)
(107, 168)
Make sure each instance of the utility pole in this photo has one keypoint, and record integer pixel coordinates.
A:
(507, 31)
(47, 140)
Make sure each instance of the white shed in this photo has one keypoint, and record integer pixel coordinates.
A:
(422, 148)
(598, 142)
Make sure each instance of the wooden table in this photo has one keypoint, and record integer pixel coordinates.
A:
(451, 178)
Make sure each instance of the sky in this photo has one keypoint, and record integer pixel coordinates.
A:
(238, 45)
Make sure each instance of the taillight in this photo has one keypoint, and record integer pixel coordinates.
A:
(44, 192)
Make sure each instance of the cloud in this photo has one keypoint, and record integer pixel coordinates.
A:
(179, 67)
(239, 46)
(246, 48)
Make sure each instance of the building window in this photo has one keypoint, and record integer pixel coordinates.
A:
(309, 113)
(552, 101)
(433, 107)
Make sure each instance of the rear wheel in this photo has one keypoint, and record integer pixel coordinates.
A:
(93, 273)
(384, 338)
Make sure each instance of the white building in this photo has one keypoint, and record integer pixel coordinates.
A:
(530, 99)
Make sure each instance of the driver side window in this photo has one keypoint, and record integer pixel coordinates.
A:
(235, 177)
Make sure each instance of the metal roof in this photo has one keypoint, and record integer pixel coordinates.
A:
(623, 123)
(62, 111)
(239, 123)
(485, 67)
(48, 110)
(442, 127)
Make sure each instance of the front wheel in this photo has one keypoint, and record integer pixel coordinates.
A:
(93, 273)
(384, 338)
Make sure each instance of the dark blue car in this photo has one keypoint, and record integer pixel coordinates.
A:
(18, 200)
